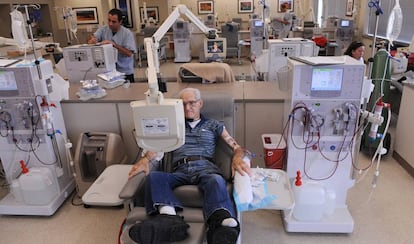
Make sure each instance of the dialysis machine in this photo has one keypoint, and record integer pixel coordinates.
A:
(341, 31)
(257, 37)
(210, 21)
(344, 33)
(275, 57)
(323, 114)
(182, 50)
(84, 62)
(33, 147)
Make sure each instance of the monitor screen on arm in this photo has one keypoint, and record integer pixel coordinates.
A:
(215, 48)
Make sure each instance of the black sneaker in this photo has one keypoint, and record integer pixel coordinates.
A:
(223, 235)
(219, 234)
(159, 229)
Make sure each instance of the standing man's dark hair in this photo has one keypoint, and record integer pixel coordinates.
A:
(118, 13)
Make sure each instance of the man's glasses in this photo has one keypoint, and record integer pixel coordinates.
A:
(191, 103)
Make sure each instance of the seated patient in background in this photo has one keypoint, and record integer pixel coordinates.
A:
(192, 166)
(356, 50)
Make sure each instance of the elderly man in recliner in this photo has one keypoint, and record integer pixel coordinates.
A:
(192, 166)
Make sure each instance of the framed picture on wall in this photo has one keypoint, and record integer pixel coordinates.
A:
(289, 4)
(152, 12)
(86, 16)
(205, 7)
(246, 6)
(125, 7)
(349, 7)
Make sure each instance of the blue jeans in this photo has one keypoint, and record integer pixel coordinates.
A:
(159, 187)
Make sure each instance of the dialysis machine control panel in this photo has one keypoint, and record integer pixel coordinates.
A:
(281, 49)
(84, 62)
(327, 81)
(331, 94)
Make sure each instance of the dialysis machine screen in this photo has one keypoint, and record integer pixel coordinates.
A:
(8, 85)
(344, 23)
(215, 48)
(258, 23)
(326, 80)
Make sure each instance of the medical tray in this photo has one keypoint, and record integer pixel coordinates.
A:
(106, 188)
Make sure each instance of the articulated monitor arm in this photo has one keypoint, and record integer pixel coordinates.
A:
(154, 96)
(180, 9)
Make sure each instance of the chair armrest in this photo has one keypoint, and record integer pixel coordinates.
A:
(223, 158)
(132, 186)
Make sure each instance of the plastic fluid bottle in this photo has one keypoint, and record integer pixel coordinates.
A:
(37, 186)
(399, 63)
(310, 200)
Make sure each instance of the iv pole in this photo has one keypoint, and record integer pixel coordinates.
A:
(29, 23)
(265, 13)
(65, 20)
(378, 12)
(66, 14)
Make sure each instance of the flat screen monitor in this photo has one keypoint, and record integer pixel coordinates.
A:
(8, 84)
(344, 23)
(258, 23)
(215, 49)
(326, 81)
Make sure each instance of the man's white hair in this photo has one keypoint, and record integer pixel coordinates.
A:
(195, 91)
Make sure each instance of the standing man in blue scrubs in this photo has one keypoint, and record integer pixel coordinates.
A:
(121, 38)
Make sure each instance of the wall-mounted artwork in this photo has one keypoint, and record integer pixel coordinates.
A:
(85, 16)
(349, 8)
(125, 7)
(205, 7)
(289, 4)
(246, 6)
(152, 12)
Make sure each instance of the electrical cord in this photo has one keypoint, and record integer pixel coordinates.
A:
(86, 72)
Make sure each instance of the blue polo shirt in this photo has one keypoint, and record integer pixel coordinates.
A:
(124, 38)
(200, 140)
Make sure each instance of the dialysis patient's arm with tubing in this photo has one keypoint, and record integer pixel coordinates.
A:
(189, 195)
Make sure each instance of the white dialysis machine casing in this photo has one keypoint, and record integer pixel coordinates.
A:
(33, 133)
(281, 49)
(182, 50)
(257, 36)
(84, 62)
(344, 33)
(323, 114)
(210, 21)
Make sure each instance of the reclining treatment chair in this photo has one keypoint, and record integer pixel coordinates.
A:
(206, 73)
(230, 31)
(217, 106)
